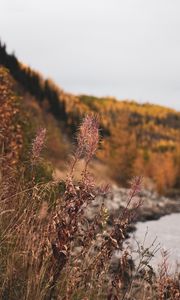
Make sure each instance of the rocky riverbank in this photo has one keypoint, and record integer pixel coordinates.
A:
(153, 205)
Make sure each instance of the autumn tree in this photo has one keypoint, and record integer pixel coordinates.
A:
(162, 170)
(120, 148)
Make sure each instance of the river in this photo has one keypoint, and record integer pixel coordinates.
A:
(166, 231)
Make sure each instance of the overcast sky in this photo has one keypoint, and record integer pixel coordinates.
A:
(122, 48)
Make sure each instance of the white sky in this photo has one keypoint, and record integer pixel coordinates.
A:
(122, 48)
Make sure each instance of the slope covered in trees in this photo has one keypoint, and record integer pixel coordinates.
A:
(138, 139)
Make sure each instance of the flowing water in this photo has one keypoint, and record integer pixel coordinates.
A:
(166, 231)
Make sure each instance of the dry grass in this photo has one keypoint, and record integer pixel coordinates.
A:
(49, 249)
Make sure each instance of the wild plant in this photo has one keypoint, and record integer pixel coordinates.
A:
(50, 247)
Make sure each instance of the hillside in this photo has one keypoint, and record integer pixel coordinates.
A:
(137, 139)
(66, 239)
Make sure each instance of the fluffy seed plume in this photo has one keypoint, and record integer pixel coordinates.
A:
(88, 136)
(38, 144)
(87, 141)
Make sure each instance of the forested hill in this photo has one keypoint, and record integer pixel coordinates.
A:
(137, 138)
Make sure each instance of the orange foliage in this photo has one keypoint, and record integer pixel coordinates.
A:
(163, 171)
(121, 147)
(10, 134)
